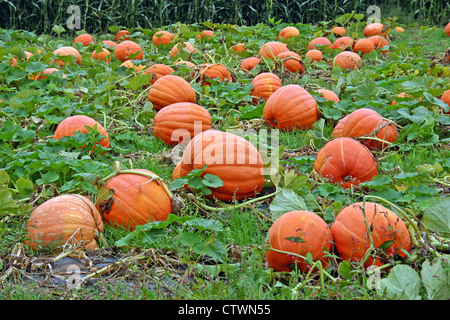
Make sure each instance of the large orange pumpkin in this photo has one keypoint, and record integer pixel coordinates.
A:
(446, 98)
(319, 41)
(122, 35)
(180, 122)
(447, 29)
(298, 232)
(72, 124)
(136, 199)
(368, 123)
(109, 43)
(170, 89)
(249, 63)
(264, 85)
(351, 236)
(339, 31)
(329, 95)
(292, 61)
(126, 48)
(85, 39)
(291, 107)
(103, 55)
(70, 219)
(182, 46)
(288, 32)
(380, 42)
(66, 51)
(343, 43)
(213, 71)
(346, 162)
(232, 158)
(272, 49)
(373, 29)
(347, 60)
(162, 37)
(314, 54)
(158, 70)
(364, 46)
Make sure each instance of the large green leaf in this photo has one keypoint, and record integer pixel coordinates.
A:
(403, 283)
(285, 201)
(436, 278)
(436, 216)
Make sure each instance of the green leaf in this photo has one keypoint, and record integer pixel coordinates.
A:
(212, 181)
(345, 270)
(6, 201)
(4, 177)
(436, 216)
(403, 282)
(205, 224)
(24, 186)
(285, 201)
(436, 279)
(178, 183)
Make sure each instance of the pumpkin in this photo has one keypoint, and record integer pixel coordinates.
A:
(446, 98)
(346, 162)
(180, 122)
(291, 107)
(207, 34)
(271, 49)
(233, 159)
(447, 29)
(130, 65)
(314, 54)
(45, 72)
(403, 95)
(213, 71)
(122, 35)
(373, 29)
(249, 63)
(264, 85)
(66, 51)
(240, 47)
(69, 219)
(343, 43)
(176, 173)
(292, 61)
(127, 48)
(399, 29)
(136, 199)
(319, 41)
(103, 55)
(329, 95)
(347, 60)
(109, 43)
(158, 70)
(298, 232)
(380, 42)
(368, 123)
(364, 46)
(162, 37)
(13, 61)
(170, 89)
(72, 124)
(85, 39)
(339, 31)
(288, 32)
(182, 46)
(351, 238)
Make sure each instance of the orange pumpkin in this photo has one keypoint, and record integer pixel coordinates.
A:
(346, 162)
(232, 158)
(85, 39)
(208, 34)
(271, 49)
(182, 46)
(373, 29)
(213, 71)
(291, 107)
(158, 70)
(162, 37)
(364, 46)
(13, 61)
(351, 237)
(264, 85)
(300, 233)
(122, 35)
(339, 31)
(343, 43)
(347, 60)
(66, 51)
(292, 61)
(170, 89)
(126, 48)
(103, 55)
(446, 98)
(380, 42)
(136, 199)
(131, 65)
(403, 95)
(447, 29)
(314, 54)
(72, 124)
(399, 29)
(288, 32)
(329, 95)
(180, 122)
(249, 63)
(176, 173)
(109, 43)
(45, 72)
(319, 41)
(368, 123)
(240, 47)
(70, 219)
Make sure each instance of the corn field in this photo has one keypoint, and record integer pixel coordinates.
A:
(97, 15)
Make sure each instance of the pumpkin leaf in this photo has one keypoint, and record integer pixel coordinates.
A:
(436, 278)
(436, 216)
(403, 282)
(285, 201)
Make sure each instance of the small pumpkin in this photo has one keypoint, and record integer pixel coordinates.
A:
(102, 55)
(446, 98)
(368, 123)
(343, 43)
(380, 42)
(233, 159)
(373, 29)
(299, 233)
(339, 31)
(13, 61)
(314, 54)
(122, 35)
(109, 44)
(447, 29)
(208, 34)
(170, 89)
(45, 72)
(70, 219)
(213, 71)
(182, 46)
(271, 49)
(292, 61)
(319, 41)
(346, 162)
(288, 32)
(249, 63)
(364, 46)
(347, 60)
(126, 48)
(264, 85)
(137, 198)
(129, 64)
(158, 70)
(329, 95)
(399, 29)
(289, 107)
(85, 39)
(240, 47)
(180, 122)
(351, 236)
(162, 37)
(72, 124)
(66, 51)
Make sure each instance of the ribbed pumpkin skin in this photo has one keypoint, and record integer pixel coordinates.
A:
(170, 89)
(329, 95)
(72, 124)
(271, 49)
(351, 238)
(363, 122)
(55, 221)
(343, 43)
(179, 122)
(288, 32)
(346, 162)
(264, 85)
(291, 107)
(298, 232)
(126, 48)
(85, 39)
(347, 60)
(292, 61)
(249, 63)
(214, 71)
(136, 200)
(232, 158)
(66, 51)
(158, 70)
(162, 37)
(373, 29)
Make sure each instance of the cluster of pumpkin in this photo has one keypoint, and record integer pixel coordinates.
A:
(139, 196)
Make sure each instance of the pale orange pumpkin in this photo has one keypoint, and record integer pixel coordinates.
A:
(347, 60)
(85, 39)
(288, 32)
(66, 51)
(182, 46)
(162, 37)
